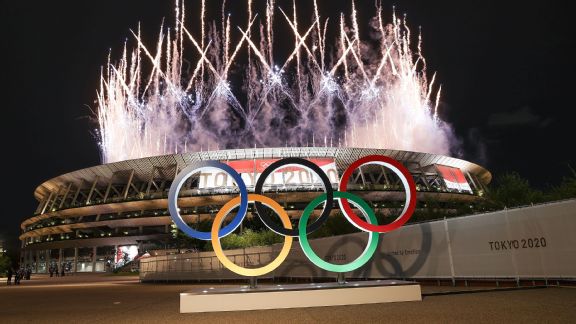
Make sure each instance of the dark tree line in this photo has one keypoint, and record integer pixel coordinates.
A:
(512, 190)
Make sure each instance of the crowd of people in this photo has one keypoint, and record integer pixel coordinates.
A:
(21, 273)
(25, 273)
(53, 270)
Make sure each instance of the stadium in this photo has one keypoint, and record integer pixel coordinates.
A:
(99, 218)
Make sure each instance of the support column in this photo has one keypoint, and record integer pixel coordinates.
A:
(479, 183)
(73, 203)
(127, 189)
(451, 260)
(92, 189)
(23, 257)
(94, 250)
(37, 259)
(47, 202)
(115, 255)
(65, 196)
(55, 200)
(75, 267)
(362, 177)
(48, 258)
(472, 180)
(59, 260)
(423, 176)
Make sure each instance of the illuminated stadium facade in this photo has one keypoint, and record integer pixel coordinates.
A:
(97, 218)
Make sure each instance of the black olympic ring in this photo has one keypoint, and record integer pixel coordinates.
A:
(265, 217)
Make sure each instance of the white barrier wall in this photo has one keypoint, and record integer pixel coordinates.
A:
(536, 241)
(530, 242)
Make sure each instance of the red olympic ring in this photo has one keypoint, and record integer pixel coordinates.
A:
(409, 187)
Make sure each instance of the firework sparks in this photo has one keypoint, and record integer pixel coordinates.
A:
(377, 98)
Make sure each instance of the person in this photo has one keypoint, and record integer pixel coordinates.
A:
(18, 276)
(63, 273)
(51, 270)
(28, 273)
(9, 274)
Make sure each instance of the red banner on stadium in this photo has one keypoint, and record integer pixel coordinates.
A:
(248, 166)
(454, 178)
(250, 170)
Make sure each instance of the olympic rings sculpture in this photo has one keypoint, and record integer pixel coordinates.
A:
(370, 224)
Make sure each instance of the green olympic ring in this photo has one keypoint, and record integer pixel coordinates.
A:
(372, 239)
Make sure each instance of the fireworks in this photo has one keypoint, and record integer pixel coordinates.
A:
(227, 90)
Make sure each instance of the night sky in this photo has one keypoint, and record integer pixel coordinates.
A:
(506, 67)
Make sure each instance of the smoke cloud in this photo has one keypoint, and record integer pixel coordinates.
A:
(227, 90)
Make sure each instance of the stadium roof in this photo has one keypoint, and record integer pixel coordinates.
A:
(146, 168)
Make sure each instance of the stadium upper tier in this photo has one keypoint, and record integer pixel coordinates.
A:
(147, 169)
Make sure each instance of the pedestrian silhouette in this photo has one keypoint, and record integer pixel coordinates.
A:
(9, 274)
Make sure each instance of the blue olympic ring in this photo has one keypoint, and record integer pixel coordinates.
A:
(177, 185)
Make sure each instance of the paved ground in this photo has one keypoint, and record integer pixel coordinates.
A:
(113, 299)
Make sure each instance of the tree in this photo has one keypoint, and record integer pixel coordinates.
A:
(566, 189)
(512, 190)
(5, 263)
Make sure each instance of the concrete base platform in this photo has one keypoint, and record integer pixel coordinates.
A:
(298, 295)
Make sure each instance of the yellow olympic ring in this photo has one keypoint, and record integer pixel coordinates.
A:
(218, 247)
